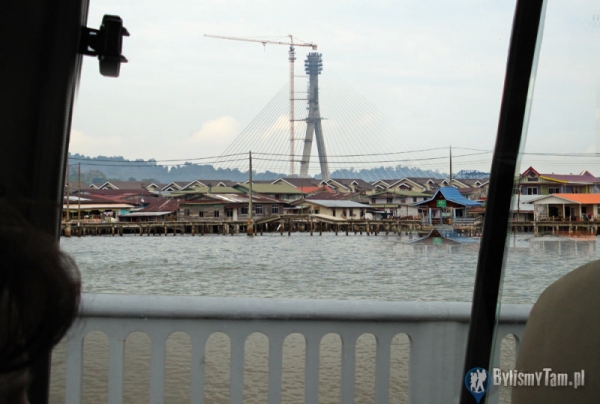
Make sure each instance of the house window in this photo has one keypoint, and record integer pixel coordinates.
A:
(402, 200)
(201, 213)
(216, 213)
(186, 212)
(229, 213)
(274, 209)
(373, 200)
(389, 200)
(244, 210)
(553, 190)
(259, 210)
(532, 191)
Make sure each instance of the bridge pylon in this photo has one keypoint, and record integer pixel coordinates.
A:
(313, 67)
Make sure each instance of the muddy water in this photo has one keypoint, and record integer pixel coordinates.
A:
(353, 267)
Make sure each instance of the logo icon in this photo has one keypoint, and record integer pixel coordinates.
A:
(477, 381)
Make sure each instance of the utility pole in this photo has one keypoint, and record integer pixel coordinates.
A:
(292, 59)
(79, 194)
(519, 198)
(450, 183)
(250, 230)
(68, 195)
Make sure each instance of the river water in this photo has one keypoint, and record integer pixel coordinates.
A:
(299, 266)
(318, 267)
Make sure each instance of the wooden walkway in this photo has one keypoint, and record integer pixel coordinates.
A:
(275, 223)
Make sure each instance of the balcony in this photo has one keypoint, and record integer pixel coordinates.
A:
(434, 335)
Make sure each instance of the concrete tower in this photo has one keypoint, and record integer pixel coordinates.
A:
(313, 66)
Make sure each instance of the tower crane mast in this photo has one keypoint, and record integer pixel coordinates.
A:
(291, 59)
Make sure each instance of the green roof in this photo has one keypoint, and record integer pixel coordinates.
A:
(270, 188)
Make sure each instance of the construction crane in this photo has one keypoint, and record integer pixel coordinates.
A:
(291, 59)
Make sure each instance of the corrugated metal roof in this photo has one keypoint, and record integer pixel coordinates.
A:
(207, 190)
(271, 188)
(232, 198)
(90, 206)
(571, 178)
(145, 214)
(399, 192)
(586, 199)
(336, 204)
(451, 194)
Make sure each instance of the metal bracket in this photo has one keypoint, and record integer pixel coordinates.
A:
(106, 43)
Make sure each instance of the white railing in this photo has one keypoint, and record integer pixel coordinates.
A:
(437, 332)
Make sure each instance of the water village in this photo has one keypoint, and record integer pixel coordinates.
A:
(560, 204)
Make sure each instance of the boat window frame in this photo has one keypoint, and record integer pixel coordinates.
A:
(525, 44)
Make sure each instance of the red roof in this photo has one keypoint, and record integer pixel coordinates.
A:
(161, 205)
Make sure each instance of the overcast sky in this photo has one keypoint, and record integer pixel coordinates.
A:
(434, 69)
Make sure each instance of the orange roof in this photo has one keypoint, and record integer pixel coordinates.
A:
(310, 188)
(581, 198)
(314, 189)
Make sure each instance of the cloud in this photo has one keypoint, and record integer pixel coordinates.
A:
(216, 135)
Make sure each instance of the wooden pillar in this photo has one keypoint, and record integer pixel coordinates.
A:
(281, 227)
(320, 228)
(337, 227)
(311, 227)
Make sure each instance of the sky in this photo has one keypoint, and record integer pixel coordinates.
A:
(433, 70)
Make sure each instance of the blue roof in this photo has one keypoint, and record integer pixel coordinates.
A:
(451, 194)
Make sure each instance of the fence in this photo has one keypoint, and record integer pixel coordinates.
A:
(437, 332)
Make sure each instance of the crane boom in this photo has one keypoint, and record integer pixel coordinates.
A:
(264, 42)
(291, 59)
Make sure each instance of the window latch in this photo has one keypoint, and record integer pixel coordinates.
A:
(106, 43)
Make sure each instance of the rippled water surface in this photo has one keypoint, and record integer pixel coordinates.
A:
(317, 267)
